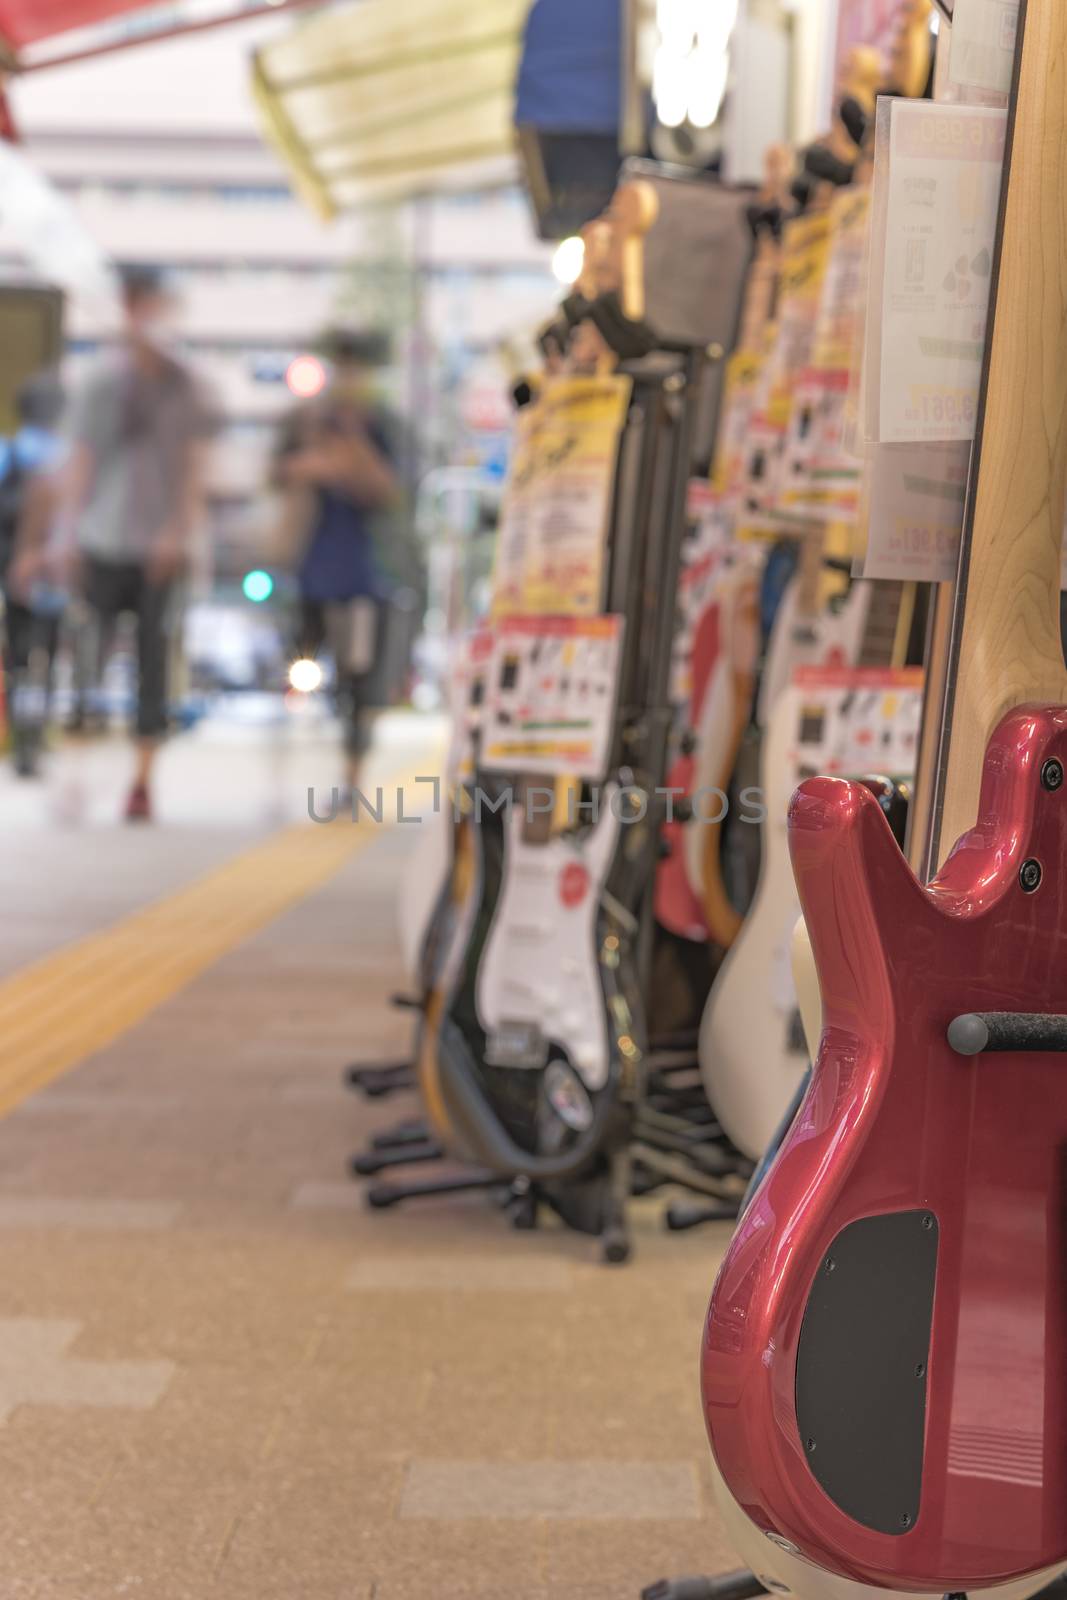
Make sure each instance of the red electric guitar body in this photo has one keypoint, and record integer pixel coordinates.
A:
(877, 1369)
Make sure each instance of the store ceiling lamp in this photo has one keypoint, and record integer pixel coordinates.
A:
(305, 675)
(707, 86)
(670, 86)
(692, 60)
(305, 377)
(568, 259)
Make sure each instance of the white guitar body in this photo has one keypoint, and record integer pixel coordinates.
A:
(539, 968)
(751, 1054)
(831, 638)
(753, 1051)
(425, 873)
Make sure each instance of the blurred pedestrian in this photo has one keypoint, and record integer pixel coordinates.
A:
(337, 458)
(134, 495)
(33, 603)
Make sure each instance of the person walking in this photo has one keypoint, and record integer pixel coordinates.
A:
(336, 458)
(30, 464)
(134, 498)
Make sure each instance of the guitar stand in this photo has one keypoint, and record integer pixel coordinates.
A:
(380, 1196)
(687, 1147)
(413, 1130)
(411, 1143)
(669, 1062)
(685, 1041)
(704, 1144)
(722, 1194)
(680, 1218)
(741, 1585)
(744, 1585)
(378, 1078)
(407, 1152)
(375, 1079)
(615, 1244)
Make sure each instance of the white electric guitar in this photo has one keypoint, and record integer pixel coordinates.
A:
(539, 994)
(753, 1054)
(808, 633)
(430, 865)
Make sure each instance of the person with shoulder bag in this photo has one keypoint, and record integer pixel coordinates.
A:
(335, 463)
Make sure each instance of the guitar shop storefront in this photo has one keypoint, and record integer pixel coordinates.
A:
(656, 1042)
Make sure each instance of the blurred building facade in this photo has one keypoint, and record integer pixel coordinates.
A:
(158, 151)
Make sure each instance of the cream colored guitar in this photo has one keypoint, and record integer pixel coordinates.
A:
(752, 1052)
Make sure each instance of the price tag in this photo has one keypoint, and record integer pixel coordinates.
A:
(550, 695)
(916, 495)
(931, 267)
(982, 53)
(558, 503)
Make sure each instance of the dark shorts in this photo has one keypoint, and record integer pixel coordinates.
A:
(112, 587)
(359, 694)
(24, 632)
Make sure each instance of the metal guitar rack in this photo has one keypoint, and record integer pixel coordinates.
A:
(670, 1133)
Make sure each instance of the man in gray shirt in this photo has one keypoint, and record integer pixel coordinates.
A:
(133, 495)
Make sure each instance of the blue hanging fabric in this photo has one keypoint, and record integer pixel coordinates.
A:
(570, 79)
(567, 109)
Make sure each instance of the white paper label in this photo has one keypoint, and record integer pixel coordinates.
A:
(983, 44)
(940, 221)
(551, 689)
(916, 496)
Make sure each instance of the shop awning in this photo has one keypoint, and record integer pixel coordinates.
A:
(387, 98)
(24, 22)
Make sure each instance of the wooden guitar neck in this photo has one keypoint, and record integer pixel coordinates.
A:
(633, 211)
(1004, 648)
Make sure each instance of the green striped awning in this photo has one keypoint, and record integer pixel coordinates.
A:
(382, 99)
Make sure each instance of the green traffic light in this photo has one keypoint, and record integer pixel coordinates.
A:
(258, 586)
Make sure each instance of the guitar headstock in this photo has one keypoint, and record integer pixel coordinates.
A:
(587, 350)
(597, 272)
(767, 212)
(633, 211)
(911, 49)
(831, 162)
(766, 218)
(861, 77)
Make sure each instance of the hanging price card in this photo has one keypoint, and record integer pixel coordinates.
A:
(932, 251)
(982, 52)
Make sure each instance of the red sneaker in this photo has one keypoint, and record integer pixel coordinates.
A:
(139, 806)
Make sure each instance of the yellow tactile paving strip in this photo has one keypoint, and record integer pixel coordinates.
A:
(67, 1006)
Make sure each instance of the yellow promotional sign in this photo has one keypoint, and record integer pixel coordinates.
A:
(740, 386)
(806, 251)
(558, 503)
(819, 470)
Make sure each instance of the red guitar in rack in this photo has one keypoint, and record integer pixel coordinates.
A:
(885, 1358)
